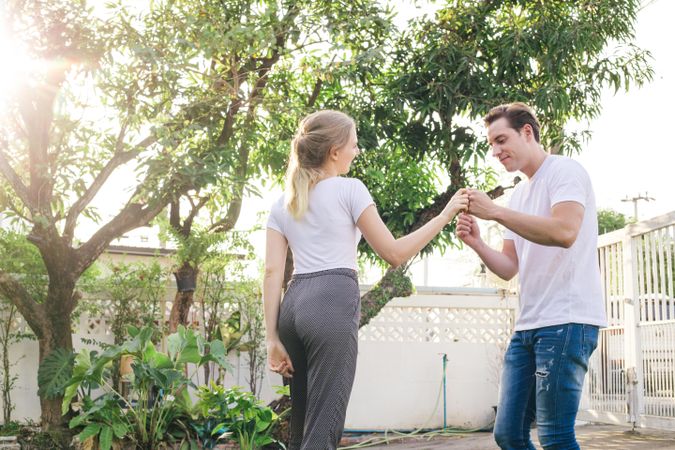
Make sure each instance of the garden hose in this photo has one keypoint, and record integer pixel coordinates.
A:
(421, 432)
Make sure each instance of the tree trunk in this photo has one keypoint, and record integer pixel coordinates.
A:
(56, 333)
(394, 283)
(7, 378)
(186, 283)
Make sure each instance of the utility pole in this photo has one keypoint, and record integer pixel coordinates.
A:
(635, 201)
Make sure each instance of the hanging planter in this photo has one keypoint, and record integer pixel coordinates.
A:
(186, 281)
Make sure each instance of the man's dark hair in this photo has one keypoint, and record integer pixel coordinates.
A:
(517, 115)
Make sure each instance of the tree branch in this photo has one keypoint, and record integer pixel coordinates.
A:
(228, 222)
(133, 215)
(116, 161)
(315, 93)
(174, 214)
(395, 282)
(265, 66)
(234, 209)
(31, 311)
(14, 180)
(187, 224)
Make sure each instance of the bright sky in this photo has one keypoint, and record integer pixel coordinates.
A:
(631, 151)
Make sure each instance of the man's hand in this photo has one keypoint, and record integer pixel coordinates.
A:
(468, 231)
(480, 205)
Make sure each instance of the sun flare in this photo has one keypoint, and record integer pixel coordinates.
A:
(16, 65)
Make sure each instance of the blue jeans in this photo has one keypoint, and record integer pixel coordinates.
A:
(543, 375)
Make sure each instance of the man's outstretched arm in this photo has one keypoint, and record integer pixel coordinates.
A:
(504, 264)
(558, 230)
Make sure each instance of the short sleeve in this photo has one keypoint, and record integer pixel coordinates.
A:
(570, 183)
(274, 221)
(359, 199)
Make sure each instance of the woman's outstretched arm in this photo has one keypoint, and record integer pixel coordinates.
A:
(398, 251)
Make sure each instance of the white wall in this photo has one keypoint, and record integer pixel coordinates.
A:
(399, 370)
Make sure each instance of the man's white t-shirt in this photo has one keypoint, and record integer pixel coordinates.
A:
(558, 285)
(326, 236)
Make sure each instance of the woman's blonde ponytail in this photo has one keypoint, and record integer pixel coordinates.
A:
(317, 134)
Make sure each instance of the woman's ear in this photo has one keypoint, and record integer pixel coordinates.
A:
(333, 153)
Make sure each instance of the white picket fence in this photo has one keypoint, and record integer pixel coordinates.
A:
(631, 375)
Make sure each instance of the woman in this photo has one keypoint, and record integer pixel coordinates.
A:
(312, 335)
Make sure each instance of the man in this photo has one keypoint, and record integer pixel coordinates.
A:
(550, 240)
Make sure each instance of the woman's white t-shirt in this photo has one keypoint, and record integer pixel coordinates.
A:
(326, 236)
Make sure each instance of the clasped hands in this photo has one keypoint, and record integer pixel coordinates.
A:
(474, 202)
(479, 205)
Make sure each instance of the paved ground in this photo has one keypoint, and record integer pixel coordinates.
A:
(590, 437)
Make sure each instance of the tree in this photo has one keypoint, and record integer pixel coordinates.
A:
(182, 95)
(55, 158)
(419, 114)
(268, 61)
(610, 220)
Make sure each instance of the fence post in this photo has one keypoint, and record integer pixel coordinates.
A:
(634, 375)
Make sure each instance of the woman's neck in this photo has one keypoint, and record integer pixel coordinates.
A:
(328, 171)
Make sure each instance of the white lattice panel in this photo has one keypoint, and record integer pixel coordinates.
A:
(438, 324)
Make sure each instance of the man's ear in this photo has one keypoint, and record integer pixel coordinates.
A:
(527, 130)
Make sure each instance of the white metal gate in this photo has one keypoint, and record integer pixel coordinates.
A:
(631, 376)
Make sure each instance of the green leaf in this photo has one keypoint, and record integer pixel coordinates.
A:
(120, 429)
(174, 345)
(190, 354)
(105, 438)
(156, 359)
(90, 430)
(132, 331)
(55, 372)
(69, 394)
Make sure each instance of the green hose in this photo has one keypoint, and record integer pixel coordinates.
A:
(419, 432)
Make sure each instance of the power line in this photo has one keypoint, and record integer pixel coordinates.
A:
(635, 201)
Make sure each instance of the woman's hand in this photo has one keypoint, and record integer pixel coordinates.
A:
(458, 202)
(278, 359)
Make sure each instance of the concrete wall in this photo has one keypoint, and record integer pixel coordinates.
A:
(400, 370)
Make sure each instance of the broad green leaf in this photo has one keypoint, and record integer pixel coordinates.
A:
(55, 372)
(120, 429)
(69, 394)
(90, 430)
(105, 438)
(156, 359)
